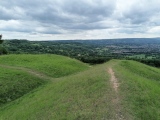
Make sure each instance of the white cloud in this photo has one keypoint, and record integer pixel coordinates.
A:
(82, 19)
(154, 30)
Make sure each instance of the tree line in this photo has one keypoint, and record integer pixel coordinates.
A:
(85, 52)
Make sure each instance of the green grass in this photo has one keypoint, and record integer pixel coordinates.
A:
(140, 89)
(14, 84)
(80, 92)
(85, 96)
(51, 65)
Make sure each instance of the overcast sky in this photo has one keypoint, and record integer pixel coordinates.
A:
(79, 19)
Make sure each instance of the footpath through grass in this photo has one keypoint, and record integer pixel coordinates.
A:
(86, 96)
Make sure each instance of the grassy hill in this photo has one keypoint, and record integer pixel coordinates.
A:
(51, 65)
(21, 74)
(118, 89)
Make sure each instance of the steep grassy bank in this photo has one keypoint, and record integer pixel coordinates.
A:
(139, 89)
(16, 83)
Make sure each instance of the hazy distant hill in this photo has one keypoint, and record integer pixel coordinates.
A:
(122, 41)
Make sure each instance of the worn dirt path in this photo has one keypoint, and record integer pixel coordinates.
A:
(116, 99)
(30, 71)
(113, 80)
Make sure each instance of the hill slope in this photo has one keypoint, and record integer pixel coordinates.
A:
(19, 77)
(51, 65)
(139, 89)
(74, 97)
(114, 90)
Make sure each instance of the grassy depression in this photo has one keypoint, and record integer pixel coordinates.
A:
(15, 83)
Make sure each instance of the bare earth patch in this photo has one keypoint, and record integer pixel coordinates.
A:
(113, 80)
(115, 99)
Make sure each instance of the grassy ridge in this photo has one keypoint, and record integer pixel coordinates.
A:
(51, 65)
(82, 96)
(15, 83)
(140, 89)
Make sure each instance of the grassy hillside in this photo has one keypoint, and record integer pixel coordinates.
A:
(139, 89)
(89, 93)
(17, 80)
(51, 65)
(85, 95)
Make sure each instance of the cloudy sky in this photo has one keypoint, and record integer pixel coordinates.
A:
(79, 19)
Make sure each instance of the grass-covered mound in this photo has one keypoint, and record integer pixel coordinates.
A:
(20, 74)
(51, 65)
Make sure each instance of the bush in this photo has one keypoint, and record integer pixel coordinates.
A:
(3, 51)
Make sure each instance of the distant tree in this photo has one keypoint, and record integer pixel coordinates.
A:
(2, 50)
(1, 41)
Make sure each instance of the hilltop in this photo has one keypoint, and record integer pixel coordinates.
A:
(118, 89)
